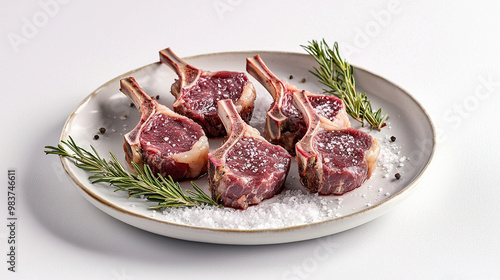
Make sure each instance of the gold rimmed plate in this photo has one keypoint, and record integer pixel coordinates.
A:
(107, 107)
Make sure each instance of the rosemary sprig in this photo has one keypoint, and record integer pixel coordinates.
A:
(337, 74)
(165, 192)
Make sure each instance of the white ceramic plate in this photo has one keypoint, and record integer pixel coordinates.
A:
(108, 107)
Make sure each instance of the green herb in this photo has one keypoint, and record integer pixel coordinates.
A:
(337, 75)
(165, 192)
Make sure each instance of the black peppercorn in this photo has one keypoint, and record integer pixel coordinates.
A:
(102, 130)
(397, 175)
(96, 137)
(393, 138)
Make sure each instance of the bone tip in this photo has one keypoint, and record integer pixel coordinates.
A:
(166, 55)
(253, 58)
(250, 62)
(126, 81)
(167, 50)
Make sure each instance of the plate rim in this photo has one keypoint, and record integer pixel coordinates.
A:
(68, 164)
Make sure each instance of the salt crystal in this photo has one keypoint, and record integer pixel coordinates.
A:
(290, 208)
(390, 157)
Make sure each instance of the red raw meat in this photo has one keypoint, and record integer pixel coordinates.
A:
(284, 124)
(170, 144)
(246, 169)
(332, 160)
(197, 92)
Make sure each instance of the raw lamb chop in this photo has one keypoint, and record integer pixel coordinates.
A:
(197, 92)
(246, 169)
(169, 143)
(332, 160)
(284, 124)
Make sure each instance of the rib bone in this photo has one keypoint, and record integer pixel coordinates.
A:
(332, 160)
(197, 92)
(171, 144)
(246, 169)
(284, 124)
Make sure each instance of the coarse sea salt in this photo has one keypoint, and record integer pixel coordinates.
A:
(291, 208)
(390, 159)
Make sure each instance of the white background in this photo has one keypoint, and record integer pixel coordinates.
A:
(445, 53)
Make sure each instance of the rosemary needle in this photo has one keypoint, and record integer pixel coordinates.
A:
(337, 75)
(165, 192)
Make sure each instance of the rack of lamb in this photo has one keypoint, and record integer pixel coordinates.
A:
(197, 92)
(170, 144)
(332, 160)
(246, 169)
(284, 124)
